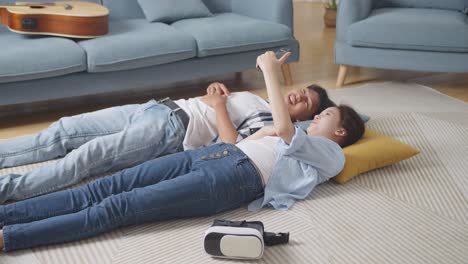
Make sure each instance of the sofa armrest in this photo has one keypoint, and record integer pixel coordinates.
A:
(349, 12)
(279, 11)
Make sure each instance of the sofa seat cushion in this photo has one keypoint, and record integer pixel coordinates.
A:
(411, 29)
(229, 33)
(31, 57)
(136, 43)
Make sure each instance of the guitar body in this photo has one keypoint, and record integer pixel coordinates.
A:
(68, 18)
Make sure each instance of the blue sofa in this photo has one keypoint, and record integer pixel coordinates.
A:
(420, 35)
(138, 54)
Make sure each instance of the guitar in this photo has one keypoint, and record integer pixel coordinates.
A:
(67, 19)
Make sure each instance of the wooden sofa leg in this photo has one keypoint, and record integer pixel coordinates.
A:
(286, 69)
(238, 76)
(341, 75)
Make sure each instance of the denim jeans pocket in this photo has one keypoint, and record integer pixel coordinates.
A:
(250, 178)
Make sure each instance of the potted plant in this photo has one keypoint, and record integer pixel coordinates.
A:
(330, 12)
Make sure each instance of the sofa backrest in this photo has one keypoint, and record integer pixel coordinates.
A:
(219, 6)
(458, 5)
(123, 9)
(126, 9)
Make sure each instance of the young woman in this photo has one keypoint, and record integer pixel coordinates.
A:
(275, 166)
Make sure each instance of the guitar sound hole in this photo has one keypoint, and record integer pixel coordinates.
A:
(35, 6)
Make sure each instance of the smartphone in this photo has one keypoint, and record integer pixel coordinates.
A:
(278, 53)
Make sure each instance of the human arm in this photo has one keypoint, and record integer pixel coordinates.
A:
(216, 95)
(262, 132)
(270, 66)
(226, 130)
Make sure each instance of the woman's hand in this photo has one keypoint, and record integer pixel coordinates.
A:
(267, 131)
(263, 132)
(269, 62)
(279, 110)
(217, 88)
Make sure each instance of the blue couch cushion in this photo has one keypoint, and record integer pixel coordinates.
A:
(411, 29)
(458, 5)
(135, 43)
(229, 33)
(219, 6)
(26, 58)
(123, 9)
(3, 28)
(167, 11)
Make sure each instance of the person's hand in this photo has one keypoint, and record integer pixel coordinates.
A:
(268, 131)
(217, 88)
(269, 62)
(263, 132)
(214, 100)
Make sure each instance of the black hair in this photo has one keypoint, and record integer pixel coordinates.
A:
(324, 101)
(352, 123)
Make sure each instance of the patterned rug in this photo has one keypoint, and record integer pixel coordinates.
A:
(415, 211)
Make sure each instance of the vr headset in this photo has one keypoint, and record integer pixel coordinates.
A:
(240, 239)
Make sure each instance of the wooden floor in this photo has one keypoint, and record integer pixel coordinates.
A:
(315, 66)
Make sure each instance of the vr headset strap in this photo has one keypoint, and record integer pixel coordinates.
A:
(269, 238)
(272, 239)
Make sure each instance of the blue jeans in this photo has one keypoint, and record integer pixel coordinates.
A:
(92, 143)
(187, 184)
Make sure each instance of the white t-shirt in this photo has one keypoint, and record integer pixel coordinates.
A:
(243, 108)
(262, 152)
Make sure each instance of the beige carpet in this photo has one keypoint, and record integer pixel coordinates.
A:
(413, 212)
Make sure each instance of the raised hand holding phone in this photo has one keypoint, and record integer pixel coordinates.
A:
(270, 65)
(279, 54)
(269, 61)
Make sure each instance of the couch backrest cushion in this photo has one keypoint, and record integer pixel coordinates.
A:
(166, 11)
(458, 5)
(219, 6)
(123, 9)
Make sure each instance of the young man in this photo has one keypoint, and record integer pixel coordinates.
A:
(275, 166)
(119, 137)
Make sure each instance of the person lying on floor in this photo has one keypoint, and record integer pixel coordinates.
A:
(275, 166)
(120, 137)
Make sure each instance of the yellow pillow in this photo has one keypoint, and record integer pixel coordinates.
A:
(371, 152)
